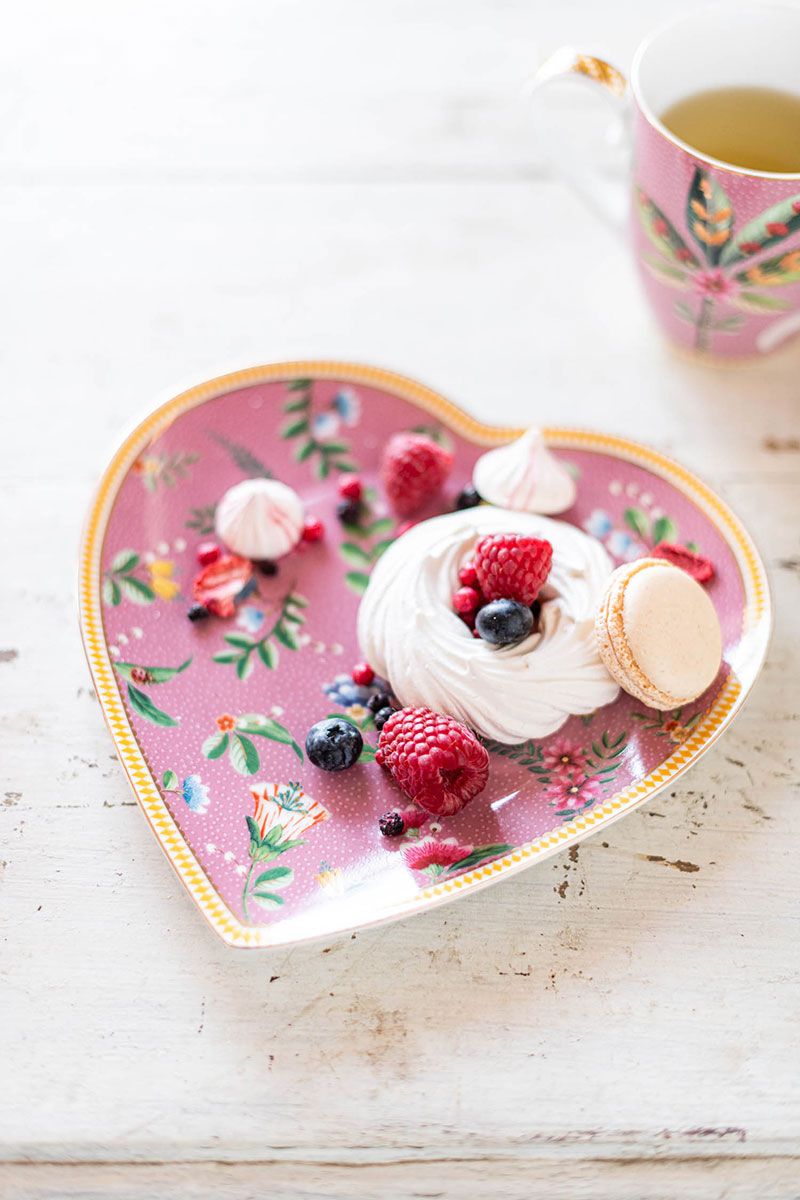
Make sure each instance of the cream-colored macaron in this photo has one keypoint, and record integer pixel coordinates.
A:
(658, 633)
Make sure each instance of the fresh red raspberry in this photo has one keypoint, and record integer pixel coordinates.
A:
(468, 575)
(207, 553)
(701, 569)
(414, 468)
(313, 530)
(351, 487)
(436, 760)
(512, 567)
(362, 674)
(466, 600)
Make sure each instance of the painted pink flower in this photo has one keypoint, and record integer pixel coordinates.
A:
(715, 285)
(562, 754)
(430, 852)
(570, 789)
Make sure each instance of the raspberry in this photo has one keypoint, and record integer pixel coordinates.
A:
(701, 569)
(414, 468)
(512, 567)
(437, 761)
(351, 488)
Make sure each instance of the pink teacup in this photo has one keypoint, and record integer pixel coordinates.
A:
(718, 246)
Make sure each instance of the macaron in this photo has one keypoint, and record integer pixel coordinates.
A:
(658, 633)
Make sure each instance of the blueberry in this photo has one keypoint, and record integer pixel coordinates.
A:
(382, 716)
(378, 701)
(391, 824)
(349, 511)
(504, 622)
(198, 612)
(467, 498)
(333, 745)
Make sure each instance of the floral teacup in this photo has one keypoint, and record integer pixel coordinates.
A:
(718, 246)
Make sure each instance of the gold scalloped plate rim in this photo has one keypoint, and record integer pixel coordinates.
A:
(757, 624)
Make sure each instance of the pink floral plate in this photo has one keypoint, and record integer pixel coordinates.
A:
(209, 718)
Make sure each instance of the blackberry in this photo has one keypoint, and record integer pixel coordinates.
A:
(391, 824)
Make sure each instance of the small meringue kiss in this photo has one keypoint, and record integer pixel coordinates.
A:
(260, 519)
(525, 477)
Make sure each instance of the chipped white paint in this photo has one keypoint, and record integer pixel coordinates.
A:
(346, 178)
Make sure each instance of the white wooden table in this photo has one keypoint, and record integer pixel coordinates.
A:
(185, 186)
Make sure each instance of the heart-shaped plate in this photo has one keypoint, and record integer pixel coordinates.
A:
(209, 718)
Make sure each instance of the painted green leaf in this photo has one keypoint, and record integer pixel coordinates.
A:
(267, 900)
(226, 656)
(754, 302)
(242, 640)
(126, 560)
(479, 854)
(293, 406)
(709, 215)
(255, 832)
(663, 234)
(247, 462)
(637, 521)
(216, 745)
(357, 581)
(354, 555)
(772, 272)
(664, 530)
(728, 324)
(279, 877)
(668, 274)
(260, 726)
(169, 781)
(243, 755)
(244, 666)
(157, 674)
(765, 230)
(111, 593)
(143, 705)
(380, 527)
(334, 448)
(345, 466)
(684, 312)
(294, 428)
(304, 451)
(135, 590)
(322, 468)
(286, 637)
(298, 385)
(380, 548)
(367, 754)
(268, 654)
(297, 600)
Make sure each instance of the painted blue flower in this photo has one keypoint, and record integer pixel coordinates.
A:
(346, 693)
(347, 405)
(250, 618)
(624, 547)
(325, 425)
(195, 794)
(598, 523)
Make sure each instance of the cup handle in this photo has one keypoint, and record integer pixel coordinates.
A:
(567, 153)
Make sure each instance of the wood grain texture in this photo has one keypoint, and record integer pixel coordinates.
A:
(156, 226)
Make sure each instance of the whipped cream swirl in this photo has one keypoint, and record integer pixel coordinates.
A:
(525, 476)
(409, 633)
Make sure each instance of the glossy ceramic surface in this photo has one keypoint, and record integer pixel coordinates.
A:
(210, 718)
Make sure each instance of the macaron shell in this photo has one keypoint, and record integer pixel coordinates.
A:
(658, 634)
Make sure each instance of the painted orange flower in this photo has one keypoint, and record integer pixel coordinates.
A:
(286, 805)
(225, 723)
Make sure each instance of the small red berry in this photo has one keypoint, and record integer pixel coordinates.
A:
(362, 674)
(466, 600)
(207, 553)
(468, 575)
(313, 530)
(351, 487)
